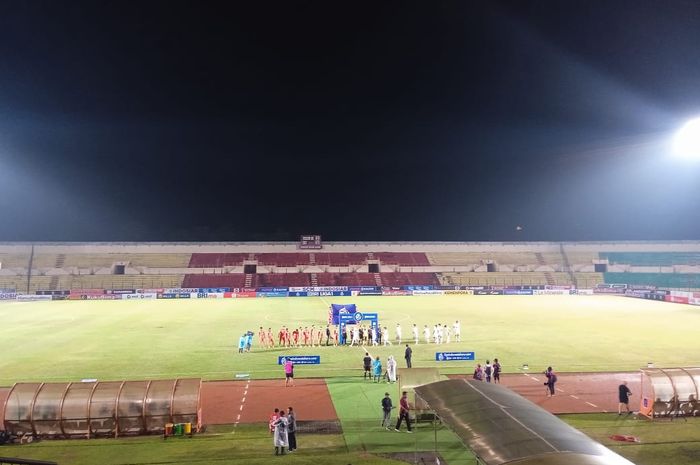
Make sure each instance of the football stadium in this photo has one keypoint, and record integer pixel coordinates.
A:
(144, 353)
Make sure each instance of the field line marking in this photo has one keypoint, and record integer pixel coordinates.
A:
(592, 405)
(571, 395)
(243, 400)
(560, 390)
(240, 409)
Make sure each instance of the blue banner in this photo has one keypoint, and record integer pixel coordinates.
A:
(365, 288)
(182, 295)
(300, 359)
(271, 294)
(517, 291)
(377, 292)
(329, 293)
(417, 288)
(453, 356)
(298, 294)
(272, 289)
(489, 292)
(206, 290)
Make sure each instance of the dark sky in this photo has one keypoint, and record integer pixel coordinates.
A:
(449, 120)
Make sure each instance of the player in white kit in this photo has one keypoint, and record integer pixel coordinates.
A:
(415, 333)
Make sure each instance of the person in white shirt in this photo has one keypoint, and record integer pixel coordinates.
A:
(373, 335)
(385, 336)
(391, 369)
(355, 336)
(426, 333)
(398, 333)
(456, 330)
(447, 334)
(415, 333)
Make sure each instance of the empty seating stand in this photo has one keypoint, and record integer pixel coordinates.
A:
(402, 258)
(233, 280)
(217, 260)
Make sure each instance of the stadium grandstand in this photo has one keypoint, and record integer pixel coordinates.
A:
(28, 268)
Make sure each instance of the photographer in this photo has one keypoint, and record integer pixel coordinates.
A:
(551, 380)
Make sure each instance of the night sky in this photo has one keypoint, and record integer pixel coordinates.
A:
(432, 120)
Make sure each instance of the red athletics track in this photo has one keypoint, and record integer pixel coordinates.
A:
(575, 392)
(251, 401)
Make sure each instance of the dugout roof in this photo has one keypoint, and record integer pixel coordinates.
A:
(500, 426)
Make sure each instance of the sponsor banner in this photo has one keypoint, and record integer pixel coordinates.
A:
(609, 290)
(550, 292)
(150, 291)
(557, 288)
(142, 295)
(272, 294)
(364, 288)
(611, 286)
(449, 288)
(93, 296)
(299, 294)
(180, 290)
(318, 289)
(581, 292)
(655, 296)
(488, 292)
(427, 292)
(459, 292)
(638, 293)
(8, 290)
(678, 299)
(242, 294)
(417, 288)
(374, 292)
(396, 292)
(8, 295)
(642, 287)
(32, 297)
(52, 292)
(120, 291)
(272, 289)
(207, 290)
(299, 359)
(328, 293)
(174, 295)
(520, 291)
(453, 356)
(694, 300)
(59, 297)
(87, 291)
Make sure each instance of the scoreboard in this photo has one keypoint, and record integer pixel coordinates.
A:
(310, 242)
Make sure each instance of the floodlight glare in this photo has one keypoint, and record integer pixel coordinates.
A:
(686, 144)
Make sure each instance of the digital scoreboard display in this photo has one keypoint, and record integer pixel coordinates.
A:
(310, 242)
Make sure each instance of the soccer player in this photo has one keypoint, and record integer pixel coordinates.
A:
(385, 336)
(398, 333)
(270, 339)
(261, 337)
(355, 336)
(415, 333)
(426, 334)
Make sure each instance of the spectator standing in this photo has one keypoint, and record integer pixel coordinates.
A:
(408, 354)
(551, 381)
(281, 438)
(377, 367)
(496, 371)
(387, 406)
(292, 429)
(624, 397)
(404, 408)
(391, 369)
(488, 369)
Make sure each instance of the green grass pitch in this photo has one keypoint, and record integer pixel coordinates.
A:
(115, 340)
(118, 340)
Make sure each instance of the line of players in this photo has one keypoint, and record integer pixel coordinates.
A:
(355, 335)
